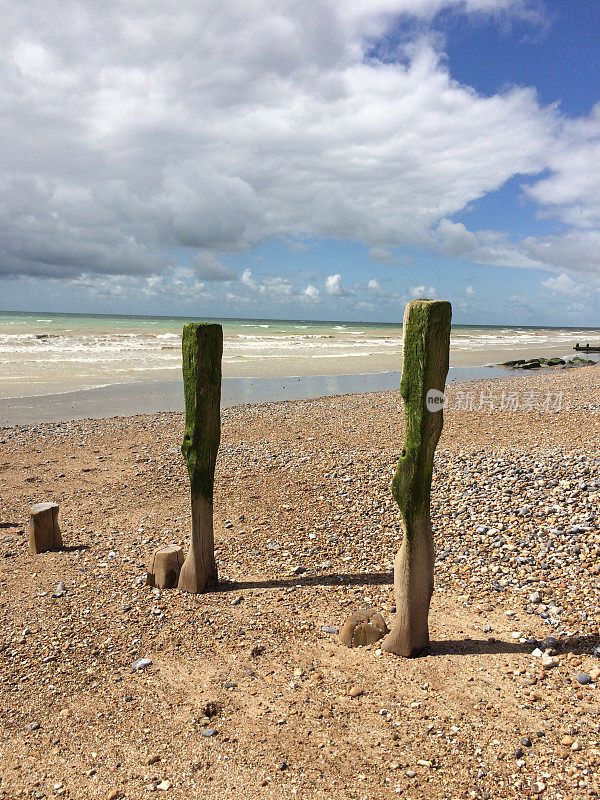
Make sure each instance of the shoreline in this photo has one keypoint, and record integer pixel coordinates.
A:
(129, 399)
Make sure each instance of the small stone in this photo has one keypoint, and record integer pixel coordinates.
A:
(153, 760)
(576, 746)
(583, 678)
(519, 752)
(141, 663)
(236, 601)
(230, 685)
(535, 598)
(356, 691)
(410, 773)
(537, 653)
(48, 659)
(298, 672)
(59, 591)
(208, 732)
(115, 794)
(594, 673)
(525, 741)
(164, 785)
(567, 741)
(549, 662)
(538, 788)
(33, 726)
(298, 570)
(329, 629)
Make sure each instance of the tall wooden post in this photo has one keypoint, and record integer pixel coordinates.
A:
(202, 349)
(425, 366)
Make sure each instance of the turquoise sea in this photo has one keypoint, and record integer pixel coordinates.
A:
(43, 353)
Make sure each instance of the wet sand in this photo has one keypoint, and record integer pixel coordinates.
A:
(126, 399)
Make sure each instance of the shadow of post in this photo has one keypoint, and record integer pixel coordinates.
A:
(335, 579)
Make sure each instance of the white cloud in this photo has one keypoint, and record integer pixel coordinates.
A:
(333, 286)
(374, 285)
(422, 292)
(312, 292)
(563, 284)
(248, 280)
(470, 291)
(273, 123)
(276, 287)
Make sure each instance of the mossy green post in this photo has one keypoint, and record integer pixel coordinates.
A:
(425, 366)
(202, 349)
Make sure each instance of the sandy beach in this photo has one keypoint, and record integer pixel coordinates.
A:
(306, 531)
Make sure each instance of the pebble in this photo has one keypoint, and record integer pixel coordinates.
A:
(537, 653)
(236, 601)
(549, 662)
(526, 741)
(33, 726)
(207, 732)
(164, 785)
(356, 691)
(329, 629)
(141, 663)
(583, 678)
(410, 773)
(298, 570)
(59, 591)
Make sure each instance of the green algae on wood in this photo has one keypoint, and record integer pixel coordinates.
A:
(426, 333)
(202, 350)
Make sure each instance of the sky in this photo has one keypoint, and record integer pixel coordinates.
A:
(282, 159)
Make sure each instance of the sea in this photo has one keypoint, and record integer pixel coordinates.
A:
(42, 353)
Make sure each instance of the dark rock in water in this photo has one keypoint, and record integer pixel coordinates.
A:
(554, 362)
(533, 364)
(515, 363)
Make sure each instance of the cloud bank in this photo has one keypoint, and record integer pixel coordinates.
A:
(138, 140)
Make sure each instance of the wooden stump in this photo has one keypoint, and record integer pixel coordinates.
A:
(43, 531)
(363, 627)
(425, 366)
(165, 566)
(202, 349)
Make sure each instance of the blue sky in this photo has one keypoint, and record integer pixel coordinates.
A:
(331, 161)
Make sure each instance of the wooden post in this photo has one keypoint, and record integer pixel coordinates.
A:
(165, 567)
(43, 531)
(424, 370)
(202, 349)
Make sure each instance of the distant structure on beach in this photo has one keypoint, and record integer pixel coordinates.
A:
(586, 349)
